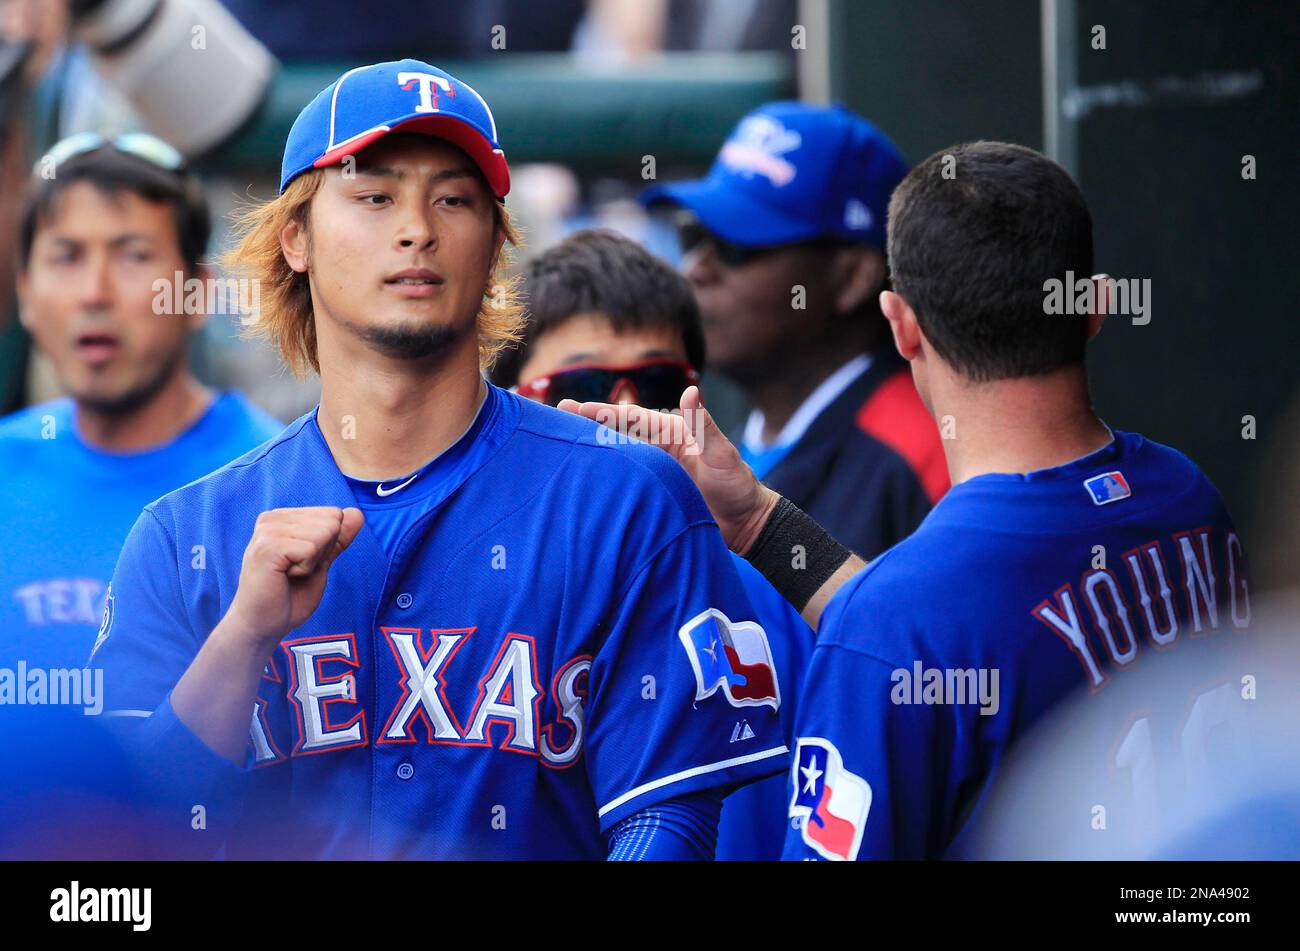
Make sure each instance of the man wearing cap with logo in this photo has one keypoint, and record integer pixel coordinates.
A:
(784, 242)
(437, 620)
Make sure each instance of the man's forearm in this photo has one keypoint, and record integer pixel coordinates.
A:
(812, 611)
(799, 558)
(214, 698)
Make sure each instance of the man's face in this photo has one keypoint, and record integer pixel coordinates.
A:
(87, 296)
(401, 248)
(751, 312)
(592, 340)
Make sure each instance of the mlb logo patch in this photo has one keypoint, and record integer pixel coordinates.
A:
(1107, 487)
(831, 801)
(732, 657)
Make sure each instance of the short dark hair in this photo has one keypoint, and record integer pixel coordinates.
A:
(972, 241)
(597, 271)
(112, 172)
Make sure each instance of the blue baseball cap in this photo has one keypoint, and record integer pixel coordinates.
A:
(367, 103)
(793, 172)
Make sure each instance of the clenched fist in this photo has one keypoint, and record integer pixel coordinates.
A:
(285, 567)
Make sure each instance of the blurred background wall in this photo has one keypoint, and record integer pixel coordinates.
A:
(1155, 115)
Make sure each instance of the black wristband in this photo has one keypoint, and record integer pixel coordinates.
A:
(795, 554)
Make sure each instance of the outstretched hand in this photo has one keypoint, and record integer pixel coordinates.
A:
(739, 502)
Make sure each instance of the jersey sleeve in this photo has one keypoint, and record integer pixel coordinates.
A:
(869, 778)
(679, 830)
(145, 644)
(684, 692)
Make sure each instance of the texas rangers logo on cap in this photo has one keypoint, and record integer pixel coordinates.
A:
(369, 102)
(1107, 487)
(732, 657)
(830, 802)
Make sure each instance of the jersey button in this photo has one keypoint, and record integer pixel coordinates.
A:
(405, 771)
(404, 600)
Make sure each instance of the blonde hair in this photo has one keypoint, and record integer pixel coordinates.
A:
(285, 316)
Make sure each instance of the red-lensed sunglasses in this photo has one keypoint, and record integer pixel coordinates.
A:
(655, 384)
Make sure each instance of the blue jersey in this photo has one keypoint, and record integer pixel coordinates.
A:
(1193, 757)
(67, 506)
(1015, 591)
(559, 642)
(752, 826)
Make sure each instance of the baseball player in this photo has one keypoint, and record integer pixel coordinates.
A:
(1064, 554)
(435, 619)
(105, 224)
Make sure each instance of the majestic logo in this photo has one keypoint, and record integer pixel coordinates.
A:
(830, 802)
(1107, 487)
(733, 657)
(757, 147)
(105, 624)
(741, 731)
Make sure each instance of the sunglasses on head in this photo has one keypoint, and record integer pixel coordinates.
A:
(139, 144)
(655, 384)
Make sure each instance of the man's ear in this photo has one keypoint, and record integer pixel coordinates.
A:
(1101, 291)
(499, 239)
(294, 245)
(206, 275)
(21, 288)
(858, 273)
(902, 323)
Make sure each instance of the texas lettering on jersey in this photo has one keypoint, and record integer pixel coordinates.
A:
(321, 691)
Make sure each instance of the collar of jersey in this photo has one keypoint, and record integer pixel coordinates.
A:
(117, 464)
(821, 397)
(443, 474)
(1110, 453)
(1032, 502)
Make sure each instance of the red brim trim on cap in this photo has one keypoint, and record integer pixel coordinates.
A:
(469, 140)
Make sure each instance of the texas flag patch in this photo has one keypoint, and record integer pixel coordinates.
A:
(732, 657)
(831, 802)
(1107, 487)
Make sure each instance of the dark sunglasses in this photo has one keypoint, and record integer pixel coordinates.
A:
(692, 236)
(655, 384)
